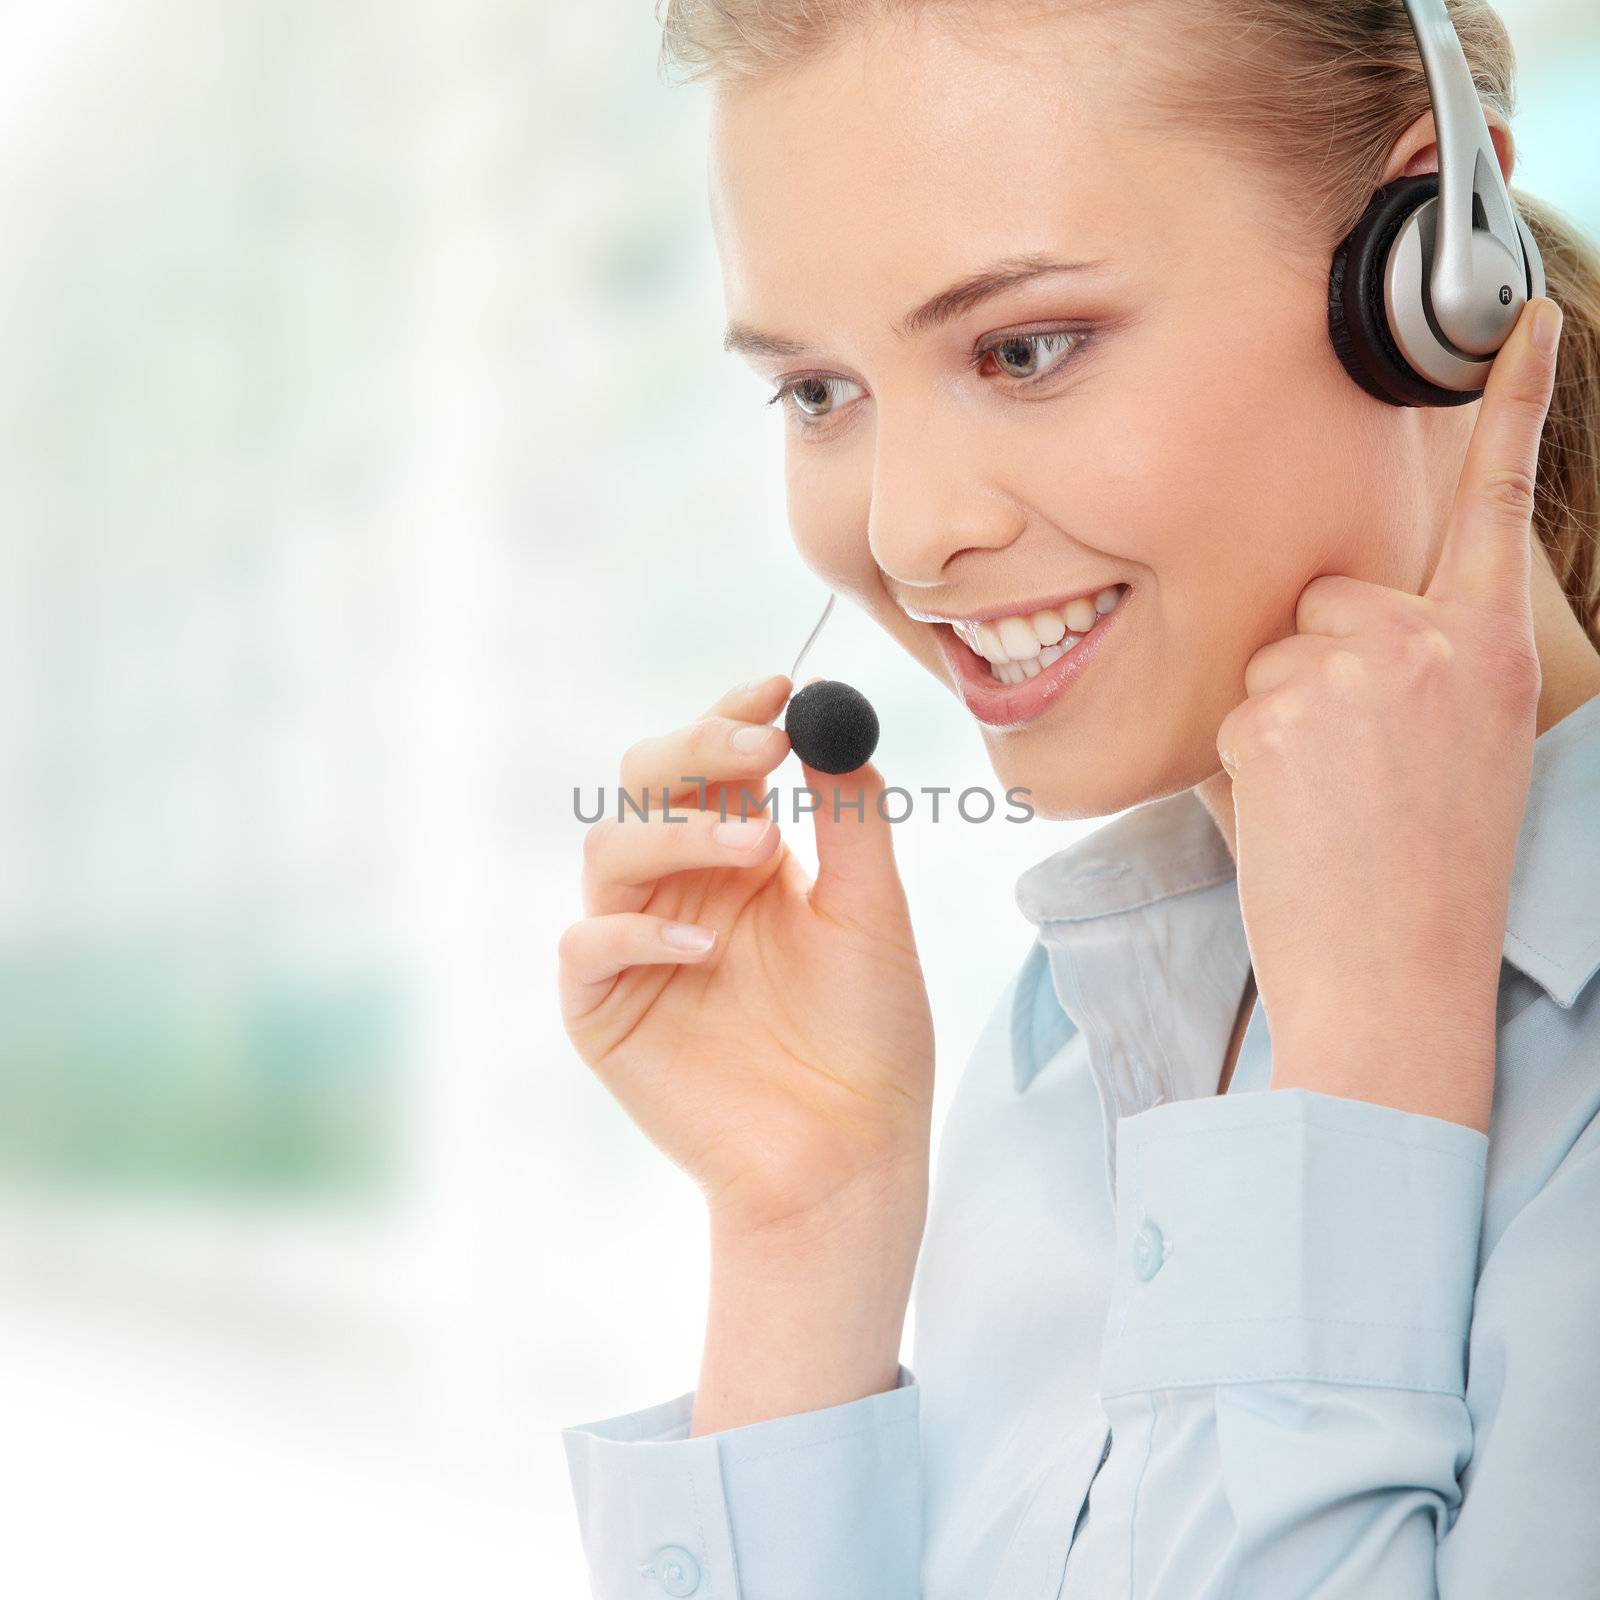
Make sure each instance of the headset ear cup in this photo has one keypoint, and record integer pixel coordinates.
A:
(1358, 324)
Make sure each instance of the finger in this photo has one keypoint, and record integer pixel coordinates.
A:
(1254, 729)
(1232, 735)
(857, 880)
(1486, 555)
(1345, 665)
(714, 749)
(592, 952)
(757, 700)
(1295, 657)
(623, 861)
(1338, 605)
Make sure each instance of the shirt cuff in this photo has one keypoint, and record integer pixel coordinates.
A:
(1286, 1234)
(823, 1502)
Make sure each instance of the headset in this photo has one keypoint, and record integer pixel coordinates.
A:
(1427, 286)
(1422, 293)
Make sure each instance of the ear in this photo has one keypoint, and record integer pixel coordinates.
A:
(1415, 150)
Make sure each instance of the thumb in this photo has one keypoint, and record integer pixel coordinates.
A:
(857, 879)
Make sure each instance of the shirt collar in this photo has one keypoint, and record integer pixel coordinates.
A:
(1553, 925)
(1171, 847)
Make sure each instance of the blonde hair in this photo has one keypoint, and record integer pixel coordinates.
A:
(1311, 94)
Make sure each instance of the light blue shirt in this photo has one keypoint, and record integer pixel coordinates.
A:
(1181, 1345)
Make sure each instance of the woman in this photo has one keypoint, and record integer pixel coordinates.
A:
(1179, 1332)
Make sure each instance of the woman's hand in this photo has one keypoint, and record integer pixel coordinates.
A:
(1380, 768)
(787, 1067)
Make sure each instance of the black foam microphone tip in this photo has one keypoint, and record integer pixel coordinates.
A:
(831, 726)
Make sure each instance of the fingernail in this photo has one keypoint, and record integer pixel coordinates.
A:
(742, 835)
(749, 738)
(750, 685)
(686, 936)
(1546, 326)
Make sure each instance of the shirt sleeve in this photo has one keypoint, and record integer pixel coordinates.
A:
(825, 1502)
(1527, 1523)
(1284, 1361)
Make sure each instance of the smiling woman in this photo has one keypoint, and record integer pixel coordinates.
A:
(1156, 380)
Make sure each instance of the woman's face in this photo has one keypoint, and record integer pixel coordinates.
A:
(1173, 420)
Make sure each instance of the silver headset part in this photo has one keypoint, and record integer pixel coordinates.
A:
(812, 640)
(1478, 278)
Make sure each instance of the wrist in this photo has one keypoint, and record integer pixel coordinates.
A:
(805, 1321)
(1435, 1063)
(875, 1215)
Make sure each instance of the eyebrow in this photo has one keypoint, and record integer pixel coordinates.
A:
(947, 304)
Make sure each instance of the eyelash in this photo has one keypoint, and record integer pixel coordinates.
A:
(785, 390)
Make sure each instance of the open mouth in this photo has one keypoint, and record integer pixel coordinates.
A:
(1020, 647)
(1010, 669)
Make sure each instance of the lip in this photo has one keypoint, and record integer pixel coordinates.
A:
(1013, 608)
(1010, 705)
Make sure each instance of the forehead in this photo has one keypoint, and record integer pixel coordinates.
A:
(909, 152)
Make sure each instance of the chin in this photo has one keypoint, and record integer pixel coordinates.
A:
(1066, 794)
(1069, 796)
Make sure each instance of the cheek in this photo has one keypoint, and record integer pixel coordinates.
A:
(1235, 491)
(828, 506)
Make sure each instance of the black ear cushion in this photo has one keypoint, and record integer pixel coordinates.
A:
(1357, 322)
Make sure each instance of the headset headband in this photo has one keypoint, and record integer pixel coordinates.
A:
(1471, 189)
(1427, 286)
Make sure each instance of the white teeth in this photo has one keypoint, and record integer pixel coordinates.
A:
(1049, 626)
(1017, 638)
(1017, 671)
(1080, 615)
(1019, 647)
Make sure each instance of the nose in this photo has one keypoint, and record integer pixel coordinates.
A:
(932, 498)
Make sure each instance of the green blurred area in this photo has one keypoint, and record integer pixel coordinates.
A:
(118, 1070)
(208, 269)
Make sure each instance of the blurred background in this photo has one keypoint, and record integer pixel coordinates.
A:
(360, 369)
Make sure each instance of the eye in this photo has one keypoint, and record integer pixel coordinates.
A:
(809, 396)
(1029, 358)
(1019, 357)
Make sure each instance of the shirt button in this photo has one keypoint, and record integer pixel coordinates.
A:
(675, 1570)
(1149, 1250)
